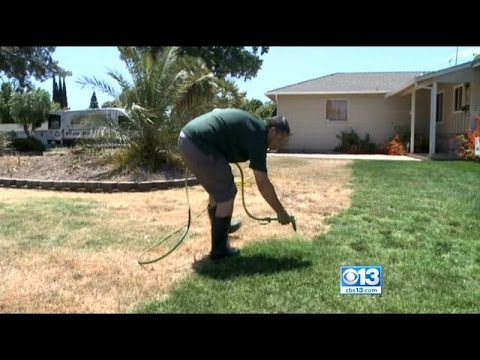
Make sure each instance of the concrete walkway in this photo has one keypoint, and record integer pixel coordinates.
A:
(349, 156)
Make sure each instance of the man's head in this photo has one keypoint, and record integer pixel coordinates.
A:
(278, 131)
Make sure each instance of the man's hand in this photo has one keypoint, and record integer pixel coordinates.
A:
(268, 192)
(283, 218)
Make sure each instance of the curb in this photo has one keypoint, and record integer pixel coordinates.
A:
(95, 186)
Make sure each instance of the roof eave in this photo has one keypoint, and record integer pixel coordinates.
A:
(433, 74)
(325, 92)
(398, 90)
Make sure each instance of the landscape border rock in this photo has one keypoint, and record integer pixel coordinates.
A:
(95, 186)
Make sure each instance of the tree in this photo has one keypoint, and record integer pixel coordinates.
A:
(55, 106)
(251, 105)
(223, 61)
(59, 94)
(30, 108)
(227, 95)
(61, 101)
(55, 97)
(166, 91)
(64, 95)
(93, 102)
(112, 104)
(267, 110)
(234, 61)
(262, 110)
(61, 97)
(20, 63)
(203, 93)
(6, 92)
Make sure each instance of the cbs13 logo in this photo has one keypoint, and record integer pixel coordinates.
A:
(361, 275)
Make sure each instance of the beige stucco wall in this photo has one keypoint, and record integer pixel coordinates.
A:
(372, 114)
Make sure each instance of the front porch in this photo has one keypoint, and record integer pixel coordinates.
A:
(443, 106)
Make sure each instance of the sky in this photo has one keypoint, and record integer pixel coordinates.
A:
(282, 66)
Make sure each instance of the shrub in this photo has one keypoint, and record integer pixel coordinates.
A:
(396, 146)
(421, 143)
(466, 142)
(29, 144)
(4, 141)
(351, 143)
(403, 134)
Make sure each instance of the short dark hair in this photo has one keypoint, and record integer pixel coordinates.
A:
(278, 122)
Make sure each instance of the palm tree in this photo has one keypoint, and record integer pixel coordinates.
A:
(164, 93)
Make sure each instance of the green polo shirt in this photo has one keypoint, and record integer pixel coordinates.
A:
(235, 134)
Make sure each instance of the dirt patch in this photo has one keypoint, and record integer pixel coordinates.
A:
(69, 166)
(76, 279)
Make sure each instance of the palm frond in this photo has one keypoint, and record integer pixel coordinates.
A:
(228, 94)
(120, 79)
(95, 83)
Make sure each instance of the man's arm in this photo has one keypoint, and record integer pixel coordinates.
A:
(268, 192)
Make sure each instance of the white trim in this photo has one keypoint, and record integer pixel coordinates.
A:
(424, 86)
(327, 92)
(412, 122)
(433, 119)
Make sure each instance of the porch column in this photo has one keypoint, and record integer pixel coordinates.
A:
(412, 123)
(433, 119)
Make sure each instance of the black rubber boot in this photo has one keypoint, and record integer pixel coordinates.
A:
(234, 224)
(220, 248)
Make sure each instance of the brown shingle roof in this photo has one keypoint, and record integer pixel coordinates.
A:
(355, 82)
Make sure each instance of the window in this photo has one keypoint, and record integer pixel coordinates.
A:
(89, 119)
(458, 98)
(337, 110)
(54, 121)
(122, 120)
(439, 107)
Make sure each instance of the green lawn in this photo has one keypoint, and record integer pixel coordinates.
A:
(419, 220)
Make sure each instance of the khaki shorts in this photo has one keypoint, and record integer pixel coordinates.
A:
(213, 172)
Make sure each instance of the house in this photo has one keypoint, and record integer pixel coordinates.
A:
(434, 105)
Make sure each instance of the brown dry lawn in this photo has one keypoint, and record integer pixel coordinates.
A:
(76, 279)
